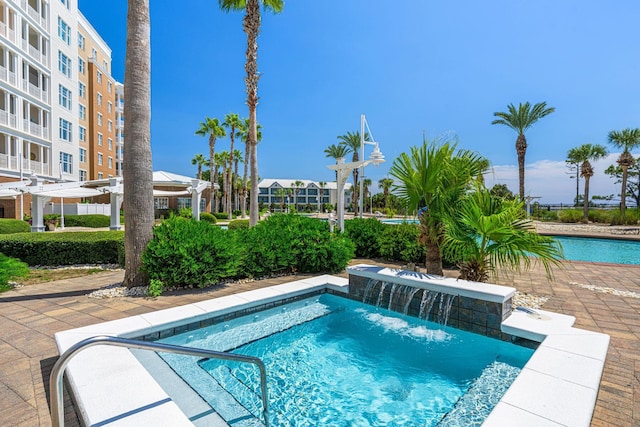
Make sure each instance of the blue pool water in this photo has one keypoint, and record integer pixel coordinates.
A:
(600, 250)
(335, 362)
(399, 221)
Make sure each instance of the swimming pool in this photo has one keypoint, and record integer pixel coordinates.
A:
(334, 361)
(600, 250)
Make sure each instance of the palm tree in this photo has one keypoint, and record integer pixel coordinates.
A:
(433, 178)
(626, 139)
(385, 185)
(226, 197)
(337, 152)
(212, 128)
(237, 157)
(321, 184)
(251, 25)
(298, 185)
(520, 120)
(243, 134)
(232, 122)
(215, 174)
(584, 155)
(353, 142)
(137, 167)
(486, 231)
(281, 193)
(199, 160)
(366, 183)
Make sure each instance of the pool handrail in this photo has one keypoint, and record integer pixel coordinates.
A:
(56, 386)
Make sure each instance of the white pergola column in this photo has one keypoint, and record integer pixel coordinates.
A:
(37, 207)
(116, 202)
(197, 187)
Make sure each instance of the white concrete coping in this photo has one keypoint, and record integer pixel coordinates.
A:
(111, 386)
(559, 384)
(464, 288)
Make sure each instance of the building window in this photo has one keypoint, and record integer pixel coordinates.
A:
(64, 31)
(100, 175)
(80, 65)
(83, 175)
(184, 202)
(105, 65)
(82, 133)
(110, 143)
(66, 162)
(65, 130)
(99, 159)
(80, 41)
(161, 202)
(64, 64)
(65, 2)
(99, 99)
(83, 112)
(81, 90)
(99, 77)
(110, 162)
(109, 125)
(94, 53)
(64, 97)
(99, 119)
(99, 139)
(83, 155)
(109, 106)
(109, 85)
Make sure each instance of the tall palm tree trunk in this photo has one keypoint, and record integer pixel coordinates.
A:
(585, 206)
(433, 261)
(251, 24)
(243, 206)
(521, 149)
(623, 193)
(212, 177)
(137, 167)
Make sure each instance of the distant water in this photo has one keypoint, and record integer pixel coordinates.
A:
(600, 250)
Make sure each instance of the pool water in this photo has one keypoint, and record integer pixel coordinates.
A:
(600, 250)
(336, 362)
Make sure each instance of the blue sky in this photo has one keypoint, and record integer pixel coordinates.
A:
(410, 66)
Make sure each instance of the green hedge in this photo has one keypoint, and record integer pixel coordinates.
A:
(207, 217)
(238, 223)
(10, 226)
(365, 234)
(400, 243)
(570, 215)
(90, 221)
(190, 253)
(630, 217)
(65, 248)
(221, 215)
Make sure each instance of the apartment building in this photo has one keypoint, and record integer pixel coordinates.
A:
(313, 193)
(60, 108)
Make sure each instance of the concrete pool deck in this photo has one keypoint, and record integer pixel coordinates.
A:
(31, 315)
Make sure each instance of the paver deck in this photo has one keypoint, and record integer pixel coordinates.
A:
(29, 317)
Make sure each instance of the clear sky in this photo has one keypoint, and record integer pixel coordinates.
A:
(410, 66)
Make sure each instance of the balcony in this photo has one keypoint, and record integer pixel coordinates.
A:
(34, 53)
(35, 91)
(28, 166)
(35, 129)
(7, 76)
(34, 14)
(7, 119)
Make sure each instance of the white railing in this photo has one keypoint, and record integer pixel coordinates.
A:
(4, 161)
(12, 35)
(4, 117)
(33, 14)
(3, 74)
(12, 78)
(13, 121)
(35, 91)
(3, 29)
(79, 209)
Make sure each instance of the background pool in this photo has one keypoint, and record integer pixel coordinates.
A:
(600, 250)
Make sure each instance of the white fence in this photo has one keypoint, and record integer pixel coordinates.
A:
(79, 209)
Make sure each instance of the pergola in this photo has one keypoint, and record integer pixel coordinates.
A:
(41, 193)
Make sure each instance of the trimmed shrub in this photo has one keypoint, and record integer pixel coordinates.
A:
(364, 233)
(10, 226)
(400, 243)
(52, 249)
(601, 216)
(288, 243)
(545, 215)
(630, 217)
(190, 253)
(90, 221)
(570, 215)
(207, 217)
(11, 268)
(238, 223)
(221, 215)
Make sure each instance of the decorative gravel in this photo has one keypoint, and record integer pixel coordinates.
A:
(607, 290)
(523, 299)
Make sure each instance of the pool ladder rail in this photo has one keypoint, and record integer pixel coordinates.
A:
(56, 379)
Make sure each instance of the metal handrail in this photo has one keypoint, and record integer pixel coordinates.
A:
(56, 386)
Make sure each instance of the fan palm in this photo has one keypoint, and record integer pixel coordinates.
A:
(337, 152)
(322, 185)
(243, 134)
(432, 178)
(223, 158)
(251, 25)
(366, 183)
(385, 185)
(232, 122)
(584, 155)
(200, 161)
(520, 120)
(353, 142)
(237, 158)
(137, 167)
(213, 128)
(486, 232)
(298, 185)
(626, 139)
(281, 193)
